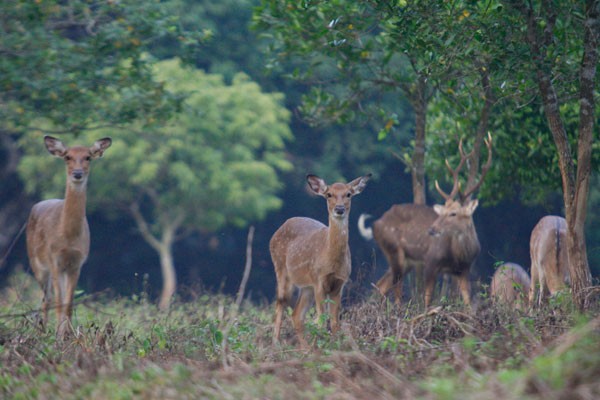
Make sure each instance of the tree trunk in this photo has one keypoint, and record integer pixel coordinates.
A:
(419, 103)
(482, 127)
(167, 268)
(575, 186)
(579, 267)
(164, 249)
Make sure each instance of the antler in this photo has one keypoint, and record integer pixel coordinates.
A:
(484, 169)
(454, 172)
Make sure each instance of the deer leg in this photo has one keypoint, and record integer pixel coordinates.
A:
(46, 284)
(304, 300)
(430, 276)
(534, 284)
(320, 301)
(465, 287)
(70, 282)
(385, 283)
(57, 300)
(284, 291)
(336, 299)
(399, 268)
(398, 287)
(62, 304)
(394, 275)
(543, 291)
(419, 280)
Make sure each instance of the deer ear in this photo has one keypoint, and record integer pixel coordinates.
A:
(97, 150)
(438, 208)
(55, 146)
(472, 206)
(359, 184)
(316, 184)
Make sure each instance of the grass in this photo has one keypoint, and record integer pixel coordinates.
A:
(123, 348)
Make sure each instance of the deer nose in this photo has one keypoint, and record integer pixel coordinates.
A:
(339, 210)
(78, 174)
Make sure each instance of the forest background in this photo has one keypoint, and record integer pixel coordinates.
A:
(218, 110)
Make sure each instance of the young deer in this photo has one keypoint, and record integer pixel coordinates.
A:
(549, 257)
(58, 236)
(510, 285)
(314, 257)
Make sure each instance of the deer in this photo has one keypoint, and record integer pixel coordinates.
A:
(510, 285)
(549, 257)
(314, 258)
(438, 239)
(402, 235)
(58, 235)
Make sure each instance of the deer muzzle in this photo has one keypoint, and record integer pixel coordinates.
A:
(434, 232)
(77, 174)
(339, 210)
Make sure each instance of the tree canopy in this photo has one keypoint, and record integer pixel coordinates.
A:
(82, 64)
(215, 164)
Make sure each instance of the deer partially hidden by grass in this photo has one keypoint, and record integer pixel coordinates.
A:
(314, 257)
(549, 257)
(441, 239)
(58, 236)
(510, 285)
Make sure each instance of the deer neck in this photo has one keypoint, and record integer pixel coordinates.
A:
(73, 212)
(337, 237)
(466, 244)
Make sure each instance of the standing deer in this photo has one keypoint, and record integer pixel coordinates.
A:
(510, 285)
(549, 257)
(441, 239)
(314, 257)
(58, 236)
(402, 235)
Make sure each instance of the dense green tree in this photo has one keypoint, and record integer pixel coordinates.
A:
(562, 40)
(79, 65)
(82, 64)
(344, 50)
(436, 55)
(232, 46)
(213, 165)
(542, 51)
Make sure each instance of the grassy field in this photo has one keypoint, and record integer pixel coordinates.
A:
(206, 348)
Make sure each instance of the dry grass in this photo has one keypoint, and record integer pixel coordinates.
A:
(125, 348)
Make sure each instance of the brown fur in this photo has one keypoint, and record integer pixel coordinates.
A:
(454, 247)
(549, 258)
(314, 257)
(510, 285)
(402, 235)
(58, 236)
(441, 239)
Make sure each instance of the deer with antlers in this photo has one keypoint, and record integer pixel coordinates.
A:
(441, 239)
(314, 257)
(58, 236)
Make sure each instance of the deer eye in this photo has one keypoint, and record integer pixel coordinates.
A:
(88, 158)
(453, 214)
(329, 195)
(348, 194)
(68, 158)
